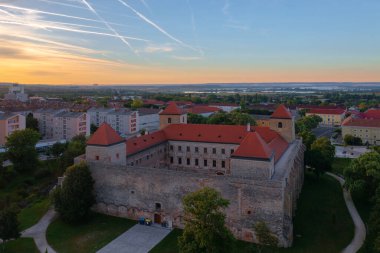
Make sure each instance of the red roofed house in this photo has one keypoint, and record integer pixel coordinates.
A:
(330, 117)
(259, 169)
(365, 126)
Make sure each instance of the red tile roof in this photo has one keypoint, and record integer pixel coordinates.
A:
(281, 113)
(172, 109)
(361, 122)
(338, 111)
(105, 136)
(372, 113)
(253, 146)
(230, 134)
(199, 109)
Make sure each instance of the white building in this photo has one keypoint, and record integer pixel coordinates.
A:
(66, 125)
(16, 92)
(98, 115)
(123, 121)
(149, 119)
(45, 119)
(225, 106)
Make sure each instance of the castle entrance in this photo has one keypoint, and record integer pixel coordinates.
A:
(157, 218)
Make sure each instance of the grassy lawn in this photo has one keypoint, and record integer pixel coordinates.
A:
(21, 245)
(32, 214)
(87, 237)
(339, 164)
(322, 222)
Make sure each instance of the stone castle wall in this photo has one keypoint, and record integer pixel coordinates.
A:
(135, 191)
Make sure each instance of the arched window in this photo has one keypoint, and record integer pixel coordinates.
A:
(169, 120)
(279, 125)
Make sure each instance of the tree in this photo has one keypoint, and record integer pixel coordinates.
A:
(307, 138)
(205, 229)
(196, 119)
(75, 197)
(57, 149)
(76, 147)
(9, 225)
(352, 140)
(93, 128)
(264, 235)
(307, 123)
(21, 149)
(137, 103)
(31, 122)
(363, 175)
(321, 155)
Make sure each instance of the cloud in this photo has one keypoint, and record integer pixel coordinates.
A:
(158, 49)
(187, 58)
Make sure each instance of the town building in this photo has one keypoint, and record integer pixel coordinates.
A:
(66, 125)
(260, 170)
(226, 107)
(9, 123)
(16, 92)
(365, 125)
(203, 110)
(45, 118)
(148, 119)
(124, 121)
(330, 117)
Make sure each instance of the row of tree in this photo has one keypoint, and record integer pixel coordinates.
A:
(222, 118)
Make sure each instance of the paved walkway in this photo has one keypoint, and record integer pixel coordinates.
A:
(138, 239)
(38, 232)
(360, 229)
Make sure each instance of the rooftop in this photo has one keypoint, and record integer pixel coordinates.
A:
(281, 113)
(105, 136)
(172, 109)
(337, 111)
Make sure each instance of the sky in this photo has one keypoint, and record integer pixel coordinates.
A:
(189, 41)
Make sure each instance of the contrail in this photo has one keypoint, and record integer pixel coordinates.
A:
(108, 25)
(8, 13)
(155, 25)
(62, 4)
(69, 29)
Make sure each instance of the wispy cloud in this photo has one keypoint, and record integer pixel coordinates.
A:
(187, 58)
(150, 22)
(158, 49)
(108, 25)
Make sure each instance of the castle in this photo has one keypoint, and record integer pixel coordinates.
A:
(259, 169)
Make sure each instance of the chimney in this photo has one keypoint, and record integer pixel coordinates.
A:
(249, 127)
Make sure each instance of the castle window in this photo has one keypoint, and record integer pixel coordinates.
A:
(279, 125)
(196, 162)
(232, 151)
(249, 212)
(171, 147)
(171, 159)
(205, 162)
(97, 158)
(214, 150)
(214, 163)
(158, 206)
(223, 164)
(188, 161)
(205, 150)
(223, 151)
(169, 120)
(117, 155)
(196, 149)
(188, 149)
(179, 160)
(179, 148)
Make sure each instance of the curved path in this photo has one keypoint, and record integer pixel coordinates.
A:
(38, 232)
(360, 229)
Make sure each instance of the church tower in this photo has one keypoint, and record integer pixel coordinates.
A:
(282, 122)
(172, 115)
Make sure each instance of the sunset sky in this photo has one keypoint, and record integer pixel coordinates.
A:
(188, 41)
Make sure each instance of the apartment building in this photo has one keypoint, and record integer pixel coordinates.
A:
(148, 119)
(45, 119)
(98, 115)
(123, 121)
(8, 124)
(66, 125)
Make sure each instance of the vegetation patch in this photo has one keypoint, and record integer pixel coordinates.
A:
(87, 237)
(21, 245)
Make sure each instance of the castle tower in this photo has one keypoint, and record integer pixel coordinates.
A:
(282, 122)
(106, 146)
(172, 115)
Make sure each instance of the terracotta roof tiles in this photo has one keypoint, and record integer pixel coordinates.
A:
(281, 113)
(105, 136)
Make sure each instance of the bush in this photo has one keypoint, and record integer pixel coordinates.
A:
(42, 173)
